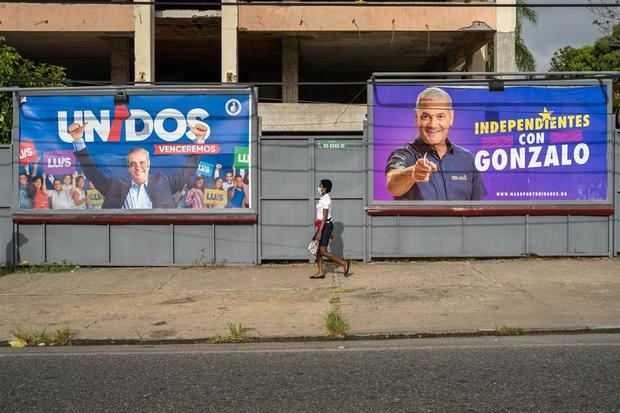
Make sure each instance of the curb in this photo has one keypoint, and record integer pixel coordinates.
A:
(353, 337)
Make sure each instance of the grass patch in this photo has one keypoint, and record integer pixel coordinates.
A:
(25, 267)
(63, 337)
(350, 290)
(335, 325)
(335, 301)
(509, 331)
(236, 334)
(33, 338)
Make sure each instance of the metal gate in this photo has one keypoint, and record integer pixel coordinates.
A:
(290, 169)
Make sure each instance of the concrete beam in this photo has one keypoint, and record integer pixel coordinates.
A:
(230, 58)
(120, 59)
(290, 69)
(477, 62)
(144, 43)
(25, 17)
(311, 117)
(351, 19)
(504, 50)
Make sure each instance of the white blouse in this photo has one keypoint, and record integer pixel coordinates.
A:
(324, 203)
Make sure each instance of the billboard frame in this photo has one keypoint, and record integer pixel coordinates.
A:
(141, 215)
(439, 79)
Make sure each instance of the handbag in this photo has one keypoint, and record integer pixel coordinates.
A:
(313, 247)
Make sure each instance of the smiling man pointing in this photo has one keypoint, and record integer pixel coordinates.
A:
(431, 167)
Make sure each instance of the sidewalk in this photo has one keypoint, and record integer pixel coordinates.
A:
(280, 301)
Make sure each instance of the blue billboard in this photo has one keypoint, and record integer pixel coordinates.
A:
(153, 152)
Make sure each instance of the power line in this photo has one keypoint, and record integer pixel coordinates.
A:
(380, 78)
(305, 3)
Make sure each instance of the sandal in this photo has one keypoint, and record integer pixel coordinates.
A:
(316, 277)
(346, 271)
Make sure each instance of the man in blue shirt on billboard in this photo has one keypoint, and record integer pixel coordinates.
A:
(141, 190)
(431, 167)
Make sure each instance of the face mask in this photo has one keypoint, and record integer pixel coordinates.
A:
(319, 190)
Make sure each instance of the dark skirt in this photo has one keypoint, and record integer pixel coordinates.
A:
(328, 228)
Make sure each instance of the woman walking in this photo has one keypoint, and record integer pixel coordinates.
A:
(325, 227)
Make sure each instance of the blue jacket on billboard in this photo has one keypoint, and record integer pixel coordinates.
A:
(142, 190)
(160, 188)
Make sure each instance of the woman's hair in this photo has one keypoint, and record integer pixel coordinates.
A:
(327, 184)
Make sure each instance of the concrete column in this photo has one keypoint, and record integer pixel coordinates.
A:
(144, 42)
(477, 61)
(504, 50)
(290, 69)
(119, 59)
(230, 18)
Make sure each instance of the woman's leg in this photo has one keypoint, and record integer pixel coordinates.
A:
(319, 263)
(323, 252)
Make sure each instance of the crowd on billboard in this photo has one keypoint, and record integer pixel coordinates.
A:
(74, 191)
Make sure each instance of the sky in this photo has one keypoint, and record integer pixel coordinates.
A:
(559, 27)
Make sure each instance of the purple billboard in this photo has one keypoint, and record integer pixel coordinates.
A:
(465, 143)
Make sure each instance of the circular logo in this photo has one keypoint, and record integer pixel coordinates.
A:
(233, 107)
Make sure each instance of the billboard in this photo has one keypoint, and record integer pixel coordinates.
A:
(153, 152)
(466, 143)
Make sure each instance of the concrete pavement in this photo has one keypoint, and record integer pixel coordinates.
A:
(280, 301)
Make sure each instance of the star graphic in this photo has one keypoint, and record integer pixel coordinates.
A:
(545, 114)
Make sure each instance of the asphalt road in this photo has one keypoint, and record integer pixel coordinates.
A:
(538, 373)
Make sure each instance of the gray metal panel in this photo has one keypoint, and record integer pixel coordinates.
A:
(589, 235)
(77, 244)
(548, 235)
(617, 161)
(6, 175)
(494, 236)
(343, 167)
(140, 245)
(234, 244)
(285, 229)
(431, 236)
(6, 237)
(193, 244)
(617, 194)
(384, 237)
(284, 169)
(349, 228)
(30, 241)
(617, 224)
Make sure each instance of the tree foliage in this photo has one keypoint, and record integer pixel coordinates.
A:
(18, 71)
(524, 58)
(603, 55)
(605, 17)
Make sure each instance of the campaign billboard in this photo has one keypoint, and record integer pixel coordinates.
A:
(467, 143)
(155, 151)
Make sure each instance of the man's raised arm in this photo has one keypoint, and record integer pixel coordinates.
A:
(400, 181)
(91, 171)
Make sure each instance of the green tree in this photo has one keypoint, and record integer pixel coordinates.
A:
(603, 56)
(524, 58)
(18, 71)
